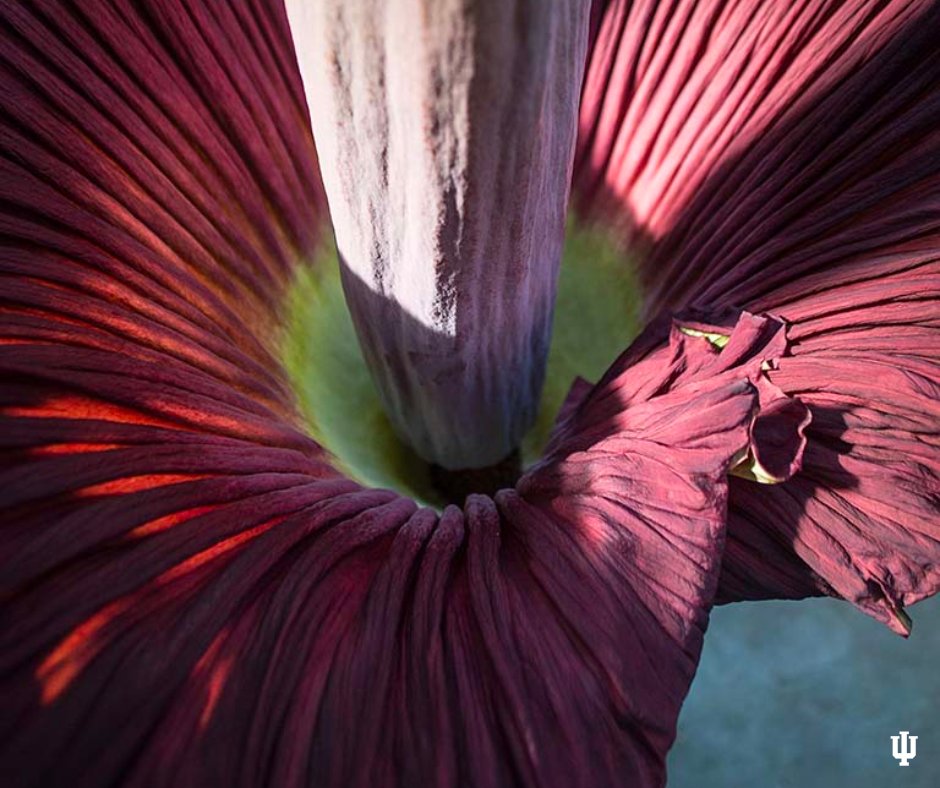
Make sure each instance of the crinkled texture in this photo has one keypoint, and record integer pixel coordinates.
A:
(785, 158)
(682, 357)
(232, 617)
(190, 594)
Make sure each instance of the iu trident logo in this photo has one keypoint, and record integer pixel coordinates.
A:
(903, 747)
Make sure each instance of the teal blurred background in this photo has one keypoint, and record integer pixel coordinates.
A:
(807, 694)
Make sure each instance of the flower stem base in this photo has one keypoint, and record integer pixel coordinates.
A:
(455, 486)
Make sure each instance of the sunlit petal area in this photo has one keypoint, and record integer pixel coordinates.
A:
(438, 393)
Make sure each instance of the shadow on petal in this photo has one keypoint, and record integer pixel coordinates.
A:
(817, 204)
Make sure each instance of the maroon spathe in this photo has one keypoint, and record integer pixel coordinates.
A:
(784, 157)
(512, 640)
(191, 595)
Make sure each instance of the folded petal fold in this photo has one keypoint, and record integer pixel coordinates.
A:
(784, 158)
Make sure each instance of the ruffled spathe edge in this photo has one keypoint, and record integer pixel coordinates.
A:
(701, 346)
(784, 158)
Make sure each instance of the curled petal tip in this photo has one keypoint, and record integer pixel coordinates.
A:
(778, 436)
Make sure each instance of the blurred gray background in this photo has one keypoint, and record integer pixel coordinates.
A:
(808, 694)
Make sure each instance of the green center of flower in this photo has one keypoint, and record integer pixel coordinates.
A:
(596, 317)
(445, 134)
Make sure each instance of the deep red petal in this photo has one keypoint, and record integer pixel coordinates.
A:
(191, 595)
(146, 161)
(190, 607)
(784, 157)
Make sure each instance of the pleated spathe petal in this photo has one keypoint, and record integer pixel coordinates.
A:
(784, 158)
(189, 607)
(191, 594)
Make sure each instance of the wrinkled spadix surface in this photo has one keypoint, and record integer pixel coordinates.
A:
(446, 133)
(596, 316)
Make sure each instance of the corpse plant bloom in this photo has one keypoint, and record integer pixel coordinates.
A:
(197, 592)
